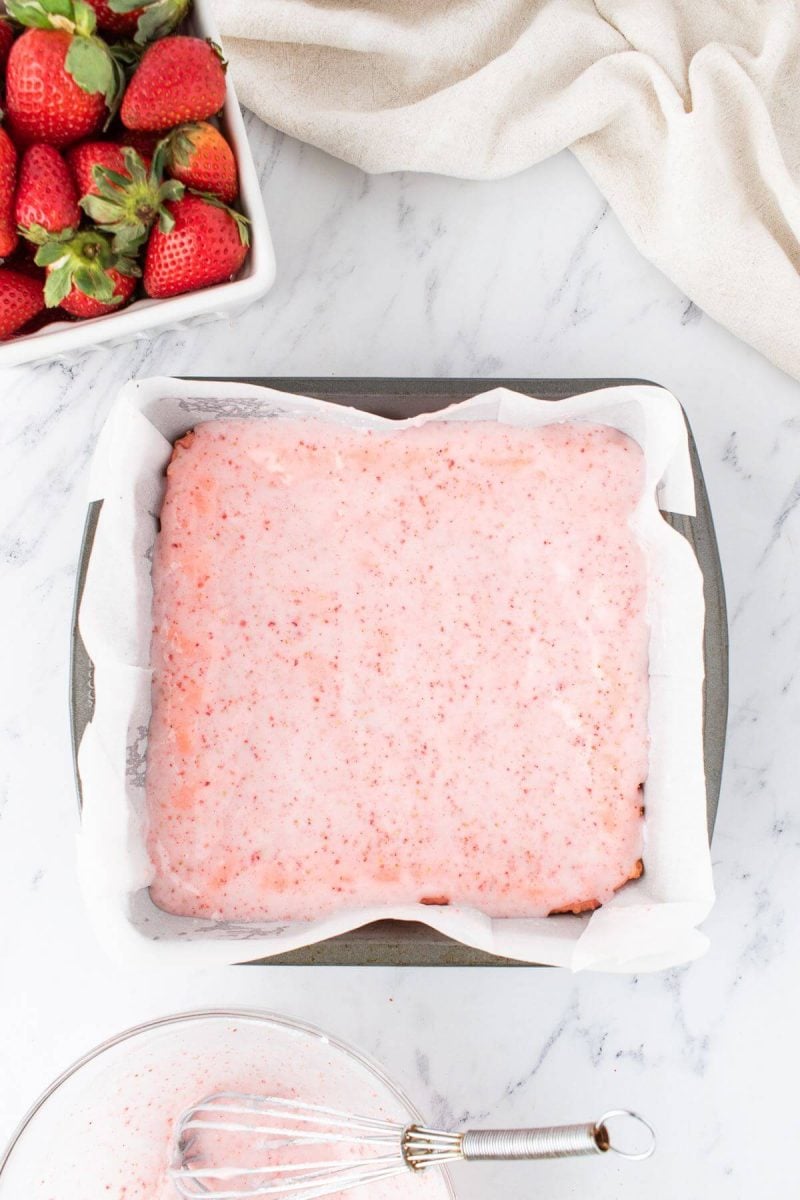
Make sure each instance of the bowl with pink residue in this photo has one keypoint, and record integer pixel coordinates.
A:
(105, 1126)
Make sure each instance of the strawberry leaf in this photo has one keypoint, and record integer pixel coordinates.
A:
(127, 56)
(93, 68)
(128, 246)
(101, 211)
(93, 281)
(160, 20)
(215, 46)
(160, 158)
(48, 254)
(159, 17)
(26, 14)
(58, 284)
(84, 16)
(39, 235)
(74, 16)
(84, 262)
(179, 146)
(102, 175)
(29, 12)
(127, 206)
(127, 266)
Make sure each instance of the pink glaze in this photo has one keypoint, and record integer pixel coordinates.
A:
(109, 1132)
(397, 667)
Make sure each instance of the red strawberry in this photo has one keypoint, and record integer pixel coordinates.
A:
(143, 141)
(61, 79)
(84, 157)
(199, 156)
(47, 201)
(6, 38)
(85, 276)
(109, 21)
(78, 304)
(178, 79)
(8, 186)
(128, 203)
(207, 244)
(21, 298)
(147, 20)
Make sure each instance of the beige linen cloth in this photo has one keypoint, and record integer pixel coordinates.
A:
(685, 113)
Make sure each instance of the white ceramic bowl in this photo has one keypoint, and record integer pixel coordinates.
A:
(256, 277)
(109, 1117)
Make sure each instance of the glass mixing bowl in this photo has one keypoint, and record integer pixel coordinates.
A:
(103, 1129)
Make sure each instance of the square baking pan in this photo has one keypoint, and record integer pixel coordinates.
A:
(395, 943)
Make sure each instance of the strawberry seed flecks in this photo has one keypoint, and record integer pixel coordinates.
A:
(61, 80)
(47, 200)
(207, 244)
(21, 299)
(443, 702)
(143, 192)
(8, 185)
(179, 79)
(198, 155)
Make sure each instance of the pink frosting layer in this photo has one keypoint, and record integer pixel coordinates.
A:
(397, 667)
(113, 1128)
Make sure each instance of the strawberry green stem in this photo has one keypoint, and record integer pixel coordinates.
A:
(89, 60)
(127, 206)
(83, 262)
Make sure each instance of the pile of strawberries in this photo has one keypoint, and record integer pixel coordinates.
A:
(113, 179)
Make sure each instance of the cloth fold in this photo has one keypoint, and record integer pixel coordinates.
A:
(686, 115)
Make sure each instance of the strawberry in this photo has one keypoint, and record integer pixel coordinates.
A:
(46, 207)
(21, 298)
(178, 79)
(207, 244)
(78, 304)
(61, 79)
(6, 38)
(8, 186)
(144, 19)
(199, 156)
(85, 276)
(128, 203)
(143, 141)
(109, 21)
(84, 157)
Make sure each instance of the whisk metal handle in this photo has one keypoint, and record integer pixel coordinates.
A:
(552, 1141)
(431, 1147)
(561, 1141)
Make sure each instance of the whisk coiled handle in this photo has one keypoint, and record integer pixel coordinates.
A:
(554, 1141)
(431, 1147)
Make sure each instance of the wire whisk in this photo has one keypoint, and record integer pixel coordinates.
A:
(232, 1146)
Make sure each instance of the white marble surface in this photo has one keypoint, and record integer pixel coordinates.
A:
(419, 275)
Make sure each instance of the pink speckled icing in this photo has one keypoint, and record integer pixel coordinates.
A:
(108, 1133)
(397, 666)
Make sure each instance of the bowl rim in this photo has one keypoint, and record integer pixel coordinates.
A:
(181, 1018)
